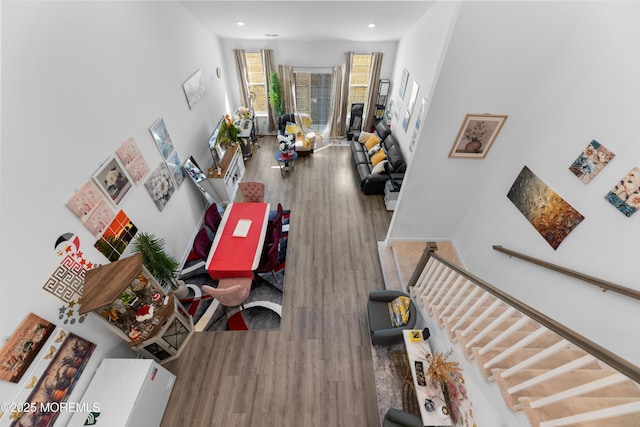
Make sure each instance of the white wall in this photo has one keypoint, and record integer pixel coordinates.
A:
(565, 73)
(78, 78)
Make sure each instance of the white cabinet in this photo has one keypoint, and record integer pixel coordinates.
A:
(125, 393)
(225, 184)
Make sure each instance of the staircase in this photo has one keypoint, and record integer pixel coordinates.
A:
(550, 375)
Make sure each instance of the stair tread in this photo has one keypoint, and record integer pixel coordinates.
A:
(580, 405)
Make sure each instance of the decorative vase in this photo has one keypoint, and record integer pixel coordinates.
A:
(473, 146)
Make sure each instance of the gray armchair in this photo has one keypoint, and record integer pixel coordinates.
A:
(382, 331)
(397, 418)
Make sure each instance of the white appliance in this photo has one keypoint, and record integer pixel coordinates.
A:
(125, 393)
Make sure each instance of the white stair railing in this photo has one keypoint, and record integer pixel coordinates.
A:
(462, 303)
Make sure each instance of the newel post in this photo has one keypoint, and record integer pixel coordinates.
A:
(428, 250)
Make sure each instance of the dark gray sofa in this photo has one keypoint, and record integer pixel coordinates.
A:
(373, 183)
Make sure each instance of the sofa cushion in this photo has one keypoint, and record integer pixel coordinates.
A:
(380, 167)
(382, 130)
(389, 141)
(363, 136)
(371, 142)
(363, 170)
(378, 157)
(360, 158)
(399, 311)
(396, 162)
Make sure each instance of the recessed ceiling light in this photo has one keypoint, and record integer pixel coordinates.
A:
(371, 25)
(241, 23)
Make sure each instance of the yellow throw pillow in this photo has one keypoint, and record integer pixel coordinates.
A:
(372, 142)
(399, 311)
(378, 157)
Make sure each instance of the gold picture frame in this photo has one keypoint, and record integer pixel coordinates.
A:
(476, 135)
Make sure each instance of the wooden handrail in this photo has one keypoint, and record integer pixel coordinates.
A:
(622, 365)
(603, 284)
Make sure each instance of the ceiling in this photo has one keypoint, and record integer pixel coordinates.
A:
(308, 20)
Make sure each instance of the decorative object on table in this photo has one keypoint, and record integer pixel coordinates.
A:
(17, 354)
(161, 137)
(66, 281)
(131, 157)
(112, 179)
(414, 96)
(591, 161)
(275, 94)
(91, 206)
(476, 135)
(160, 185)
(194, 89)
(549, 214)
(625, 195)
(403, 83)
(116, 237)
(162, 266)
(228, 133)
(286, 144)
(440, 370)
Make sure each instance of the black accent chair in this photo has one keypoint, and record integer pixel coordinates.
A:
(380, 327)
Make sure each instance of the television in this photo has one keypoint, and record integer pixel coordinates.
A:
(217, 151)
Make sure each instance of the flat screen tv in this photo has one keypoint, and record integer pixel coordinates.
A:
(216, 150)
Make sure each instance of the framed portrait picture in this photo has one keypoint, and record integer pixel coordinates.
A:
(112, 180)
(414, 95)
(161, 137)
(403, 83)
(476, 135)
(405, 120)
(421, 113)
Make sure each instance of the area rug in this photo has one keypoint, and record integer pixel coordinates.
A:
(261, 310)
(388, 384)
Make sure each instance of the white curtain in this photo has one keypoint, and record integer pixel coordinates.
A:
(288, 82)
(374, 82)
(241, 72)
(344, 96)
(338, 118)
(268, 64)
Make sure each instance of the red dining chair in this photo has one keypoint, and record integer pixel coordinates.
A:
(275, 223)
(252, 191)
(202, 244)
(212, 218)
(231, 291)
(270, 258)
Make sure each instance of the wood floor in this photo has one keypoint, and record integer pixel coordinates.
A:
(317, 369)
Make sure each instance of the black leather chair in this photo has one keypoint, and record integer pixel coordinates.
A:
(380, 327)
(283, 120)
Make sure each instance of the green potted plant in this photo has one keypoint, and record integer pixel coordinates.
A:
(162, 266)
(275, 94)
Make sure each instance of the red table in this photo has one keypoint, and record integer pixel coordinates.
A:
(238, 255)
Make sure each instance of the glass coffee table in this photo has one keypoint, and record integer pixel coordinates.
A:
(285, 161)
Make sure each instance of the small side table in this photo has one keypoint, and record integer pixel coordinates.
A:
(285, 161)
(390, 195)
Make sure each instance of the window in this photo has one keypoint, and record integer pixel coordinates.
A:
(359, 82)
(257, 84)
(313, 97)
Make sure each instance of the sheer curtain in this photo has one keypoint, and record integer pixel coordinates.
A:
(268, 64)
(241, 70)
(374, 82)
(344, 96)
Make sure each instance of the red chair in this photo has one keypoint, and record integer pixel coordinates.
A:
(212, 218)
(270, 258)
(202, 244)
(275, 223)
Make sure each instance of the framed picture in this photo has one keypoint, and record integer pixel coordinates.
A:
(193, 88)
(130, 156)
(403, 83)
(476, 135)
(625, 195)
(161, 137)
(414, 95)
(423, 107)
(112, 179)
(591, 161)
(160, 185)
(175, 166)
(405, 120)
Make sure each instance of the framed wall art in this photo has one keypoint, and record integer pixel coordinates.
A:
(403, 83)
(421, 113)
(131, 157)
(414, 96)
(161, 137)
(160, 185)
(476, 135)
(193, 88)
(591, 161)
(625, 195)
(112, 179)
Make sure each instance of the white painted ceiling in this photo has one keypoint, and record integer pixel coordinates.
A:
(309, 20)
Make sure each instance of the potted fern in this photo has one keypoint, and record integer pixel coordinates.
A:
(162, 266)
(275, 94)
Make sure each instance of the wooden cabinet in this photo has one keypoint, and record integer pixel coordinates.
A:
(132, 304)
(225, 184)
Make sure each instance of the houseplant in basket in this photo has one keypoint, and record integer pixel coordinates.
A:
(160, 264)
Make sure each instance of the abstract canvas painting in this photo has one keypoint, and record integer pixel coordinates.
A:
(591, 161)
(549, 213)
(626, 194)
